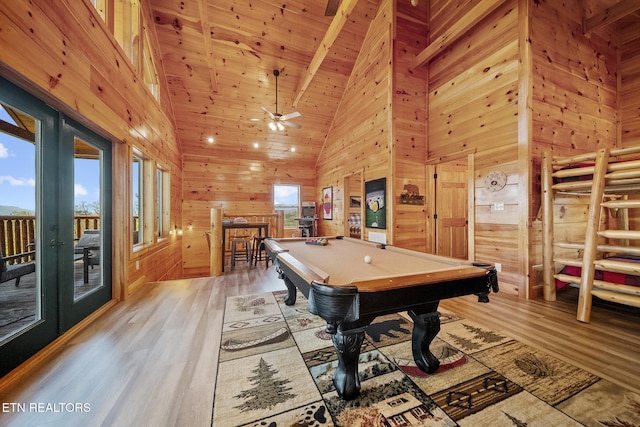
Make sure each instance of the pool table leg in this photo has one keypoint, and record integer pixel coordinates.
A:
(426, 325)
(347, 345)
(290, 299)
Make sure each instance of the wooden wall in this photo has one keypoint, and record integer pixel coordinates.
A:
(409, 121)
(473, 109)
(240, 187)
(629, 74)
(360, 138)
(575, 101)
(63, 53)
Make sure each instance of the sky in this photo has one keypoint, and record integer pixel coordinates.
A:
(18, 173)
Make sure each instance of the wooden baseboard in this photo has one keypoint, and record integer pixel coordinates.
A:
(26, 367)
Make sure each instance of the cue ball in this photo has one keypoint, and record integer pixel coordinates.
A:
(367, 259)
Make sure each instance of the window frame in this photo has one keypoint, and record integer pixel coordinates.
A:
(285, 207)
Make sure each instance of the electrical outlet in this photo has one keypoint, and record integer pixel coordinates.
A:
(137, 264)
(498, 206)
(498, 267)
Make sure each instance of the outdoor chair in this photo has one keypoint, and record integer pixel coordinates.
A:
(14, 271)
(88, 250)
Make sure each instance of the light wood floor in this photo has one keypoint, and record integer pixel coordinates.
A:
(152, 360)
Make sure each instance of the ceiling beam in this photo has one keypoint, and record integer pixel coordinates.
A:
(346, 7)
(206, 33)
(476, 14)
(610, 15)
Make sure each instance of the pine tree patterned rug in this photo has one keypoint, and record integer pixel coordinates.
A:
(276, 364)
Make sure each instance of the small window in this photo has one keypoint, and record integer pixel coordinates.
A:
(136, 199)
(149, 71)
(287, 199)
(101, 7)
(126, 28)
(162, 202)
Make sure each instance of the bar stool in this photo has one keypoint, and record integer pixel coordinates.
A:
(257, 249)
(240, 250)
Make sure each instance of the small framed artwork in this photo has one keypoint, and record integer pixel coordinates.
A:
(375, 212)
(327, 203)
(355, 202)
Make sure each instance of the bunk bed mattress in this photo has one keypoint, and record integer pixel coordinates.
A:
(607, 276)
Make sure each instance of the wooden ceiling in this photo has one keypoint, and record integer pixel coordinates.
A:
(219, 56)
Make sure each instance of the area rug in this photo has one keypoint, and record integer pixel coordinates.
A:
(276, 364)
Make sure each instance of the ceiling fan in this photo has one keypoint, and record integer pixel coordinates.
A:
(279, 121)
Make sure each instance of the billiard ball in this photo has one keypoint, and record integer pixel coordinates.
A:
(367, 259)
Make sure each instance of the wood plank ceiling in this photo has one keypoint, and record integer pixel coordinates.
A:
(219, 57)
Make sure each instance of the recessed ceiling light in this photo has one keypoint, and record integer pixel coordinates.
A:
(256, 145)
(293, 149)
(210, 140)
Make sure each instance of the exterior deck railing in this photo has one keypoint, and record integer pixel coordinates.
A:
(17, 234)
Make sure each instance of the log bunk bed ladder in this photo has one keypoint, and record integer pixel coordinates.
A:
(608, 178)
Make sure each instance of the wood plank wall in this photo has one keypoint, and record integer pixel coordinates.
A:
(629, 75)
(239, 187)
(409, 131)
(360, 138)
(63, 53)
(575, 107)
(473, 94)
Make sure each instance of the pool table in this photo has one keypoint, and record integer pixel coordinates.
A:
(348, 292)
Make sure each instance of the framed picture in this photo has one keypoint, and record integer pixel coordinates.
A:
(327, 203)
(375, 195)
(355, 202)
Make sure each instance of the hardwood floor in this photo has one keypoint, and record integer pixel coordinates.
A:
(152, 360)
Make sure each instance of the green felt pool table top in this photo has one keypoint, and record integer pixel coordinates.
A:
(341, 263)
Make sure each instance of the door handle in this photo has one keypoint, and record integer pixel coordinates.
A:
(53, 243)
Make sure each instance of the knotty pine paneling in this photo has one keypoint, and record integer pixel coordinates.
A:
(473, 108)
(360, 137)
(240, 187)
(499, 243)
(630, 83)
(63, 53)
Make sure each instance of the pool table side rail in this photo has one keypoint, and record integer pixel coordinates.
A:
(388, 283)
(464, 270)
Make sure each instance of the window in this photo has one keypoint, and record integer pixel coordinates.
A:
(101, 7)
(287, 199)
(126, 28)
(149, 72)
(162, 202)
(136, 199)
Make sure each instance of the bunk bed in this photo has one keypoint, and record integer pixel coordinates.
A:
(603, 258)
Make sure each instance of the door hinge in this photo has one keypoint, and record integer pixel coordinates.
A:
(435, 216)
(435, 176)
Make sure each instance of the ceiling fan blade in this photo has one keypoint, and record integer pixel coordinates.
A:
(290, 116)
(332, 7)
(266, 110)
(291, 125)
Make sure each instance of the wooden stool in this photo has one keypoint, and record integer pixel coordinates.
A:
(240, 250)
(258, 249)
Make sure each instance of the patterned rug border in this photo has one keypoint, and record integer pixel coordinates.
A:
(276, 364)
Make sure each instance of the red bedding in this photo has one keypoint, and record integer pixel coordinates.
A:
(607, 276)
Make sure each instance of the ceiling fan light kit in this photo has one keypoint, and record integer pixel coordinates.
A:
(279, 121)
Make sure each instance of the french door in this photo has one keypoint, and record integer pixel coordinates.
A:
(55, 224)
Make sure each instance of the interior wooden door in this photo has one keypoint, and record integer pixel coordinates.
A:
(451, 209)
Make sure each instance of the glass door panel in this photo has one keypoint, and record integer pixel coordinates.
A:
(84, 197)
(28, 226)
(20, 296)
(87, 257)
